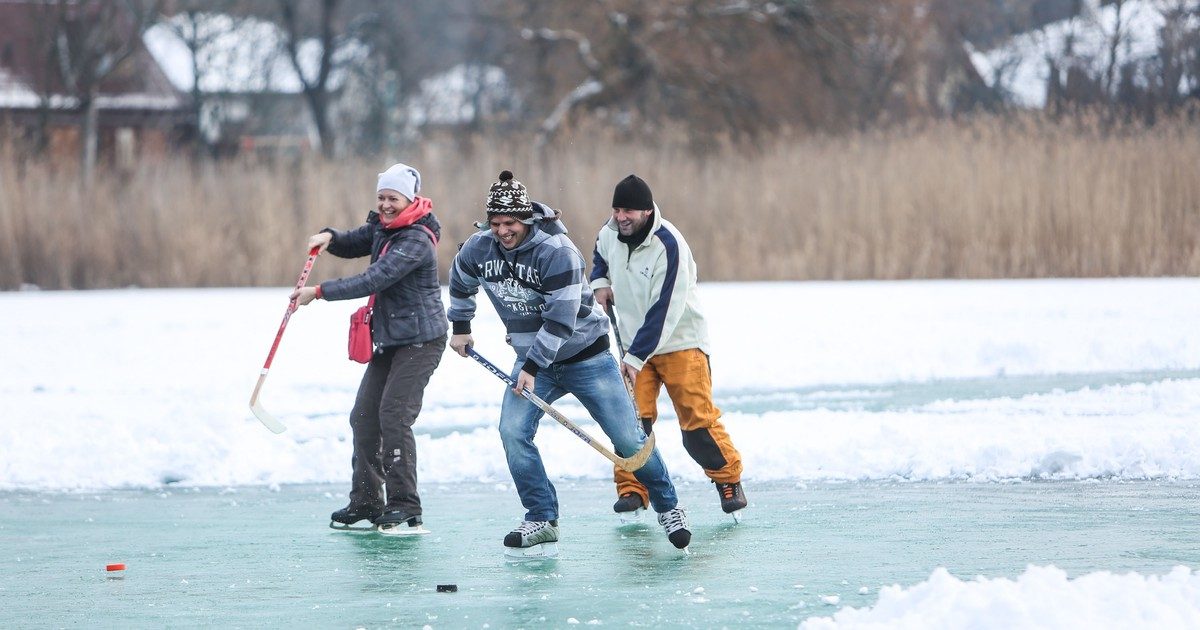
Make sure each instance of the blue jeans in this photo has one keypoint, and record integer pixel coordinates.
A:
(597, 383)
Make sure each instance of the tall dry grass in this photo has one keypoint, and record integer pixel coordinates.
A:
(982, 199)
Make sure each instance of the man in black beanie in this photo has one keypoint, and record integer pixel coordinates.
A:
(652, 286)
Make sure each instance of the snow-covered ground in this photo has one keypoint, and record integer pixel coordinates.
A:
(137, 388)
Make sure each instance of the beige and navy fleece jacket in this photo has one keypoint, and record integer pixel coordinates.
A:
(654, 290)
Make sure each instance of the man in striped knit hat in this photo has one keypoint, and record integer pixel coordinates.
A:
(534, 277)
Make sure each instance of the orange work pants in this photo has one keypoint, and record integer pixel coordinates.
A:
(689, 385)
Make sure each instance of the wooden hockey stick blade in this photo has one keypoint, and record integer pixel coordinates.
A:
(267, 419)
(638, 459)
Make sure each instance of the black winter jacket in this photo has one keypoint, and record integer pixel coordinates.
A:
(408, 308)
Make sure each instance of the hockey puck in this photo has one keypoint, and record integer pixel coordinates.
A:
(447, 588)
(120, 566)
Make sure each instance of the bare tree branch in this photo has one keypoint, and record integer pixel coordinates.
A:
(583, 46)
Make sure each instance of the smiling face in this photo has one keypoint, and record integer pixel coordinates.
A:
(630, 221)
(508, 230)
(390, 203)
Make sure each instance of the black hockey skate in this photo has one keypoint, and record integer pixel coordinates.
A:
(629, 507)
(732, 499)
(351, 517)
(397, 523)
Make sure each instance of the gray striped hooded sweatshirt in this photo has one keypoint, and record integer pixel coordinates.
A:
(538, 288)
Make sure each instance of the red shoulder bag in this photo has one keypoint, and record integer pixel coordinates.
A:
(362, 346)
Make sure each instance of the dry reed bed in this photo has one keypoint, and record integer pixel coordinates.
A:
(985, 199)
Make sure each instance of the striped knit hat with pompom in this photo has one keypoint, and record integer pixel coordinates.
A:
(508, 196)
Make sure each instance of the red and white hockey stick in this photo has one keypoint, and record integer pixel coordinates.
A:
(259, 412)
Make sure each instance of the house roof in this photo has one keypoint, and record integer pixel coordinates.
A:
(27, 71)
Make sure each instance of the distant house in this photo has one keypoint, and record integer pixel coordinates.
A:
(250, 97)
(463, 95)
(139, 111)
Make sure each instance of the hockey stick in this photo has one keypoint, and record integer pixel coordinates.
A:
(647, 426)
(632, 463)
(612, 319)
(267, 419)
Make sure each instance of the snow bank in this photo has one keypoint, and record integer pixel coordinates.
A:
(1041, 597)
(844, 381)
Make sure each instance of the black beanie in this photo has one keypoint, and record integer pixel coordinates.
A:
(633, 193)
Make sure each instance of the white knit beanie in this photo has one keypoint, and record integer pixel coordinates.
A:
(401, 178)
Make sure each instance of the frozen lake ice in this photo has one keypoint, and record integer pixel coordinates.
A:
(261, 558)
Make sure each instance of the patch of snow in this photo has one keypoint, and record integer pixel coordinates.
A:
(1041, 597)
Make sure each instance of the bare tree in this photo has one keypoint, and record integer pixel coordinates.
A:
(315, 88)
(882, 56)
(1178, 59)
(597, 81)
(374, 56)
(1114, 40)
(196, 25)
(652, 62)
(91, 40)
(41, 24)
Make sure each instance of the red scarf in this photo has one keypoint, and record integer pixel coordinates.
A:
(420, 207)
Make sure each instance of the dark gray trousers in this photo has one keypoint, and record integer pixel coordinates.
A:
(389, 399)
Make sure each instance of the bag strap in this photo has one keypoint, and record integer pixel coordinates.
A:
(371, 300)
(433, 237)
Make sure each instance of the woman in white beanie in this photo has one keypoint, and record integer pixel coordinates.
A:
(408, 331)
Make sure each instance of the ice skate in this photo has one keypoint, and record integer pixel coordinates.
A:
(352, 517)
(733, 500)
(400, 524)
(532, 540)
(629, 508)
(674, 522)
